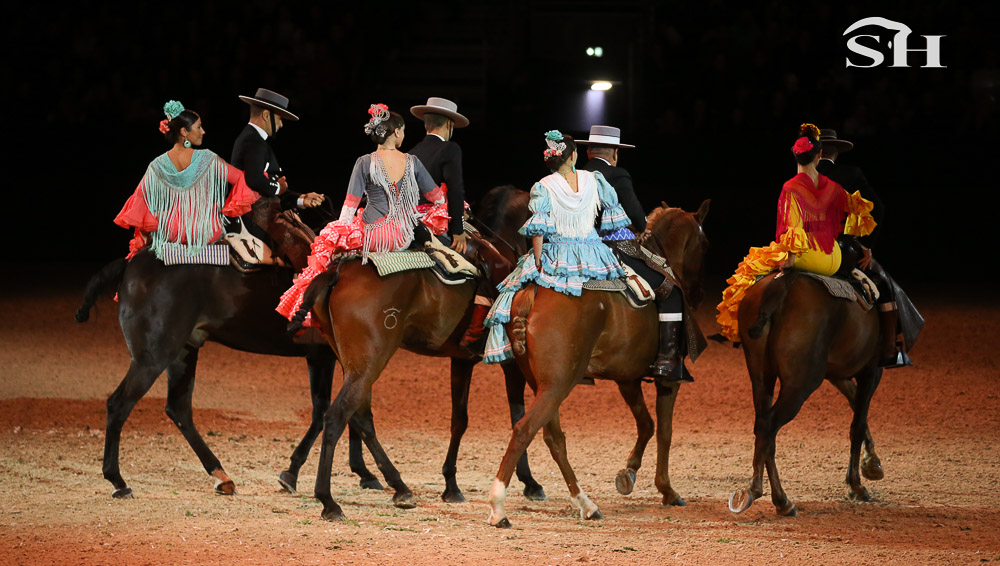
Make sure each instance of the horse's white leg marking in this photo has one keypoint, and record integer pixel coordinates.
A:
(584, 504)
(498, 493)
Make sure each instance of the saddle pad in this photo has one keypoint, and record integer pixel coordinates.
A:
(836, 287)
(212, 254)
(616, 285)
(404, 260)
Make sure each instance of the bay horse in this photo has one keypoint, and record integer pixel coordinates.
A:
(558, 339)
(793, 332)
(167, 313)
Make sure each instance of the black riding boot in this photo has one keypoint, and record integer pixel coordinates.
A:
(669, 364)
(893, 352)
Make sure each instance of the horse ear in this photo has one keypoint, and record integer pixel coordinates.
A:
(703, 211)
(664, 203)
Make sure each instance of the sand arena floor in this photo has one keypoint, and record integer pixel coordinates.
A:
(936, 427)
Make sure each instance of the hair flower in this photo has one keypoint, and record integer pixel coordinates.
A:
(808, 128)
(802, 145)
(553, 135)
(172, 109)
(379, 113)
(164, 126)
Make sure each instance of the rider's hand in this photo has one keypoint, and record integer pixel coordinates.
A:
(866, 259)
(788, 263)
(312, 200)
(458, 242)
(282, 185)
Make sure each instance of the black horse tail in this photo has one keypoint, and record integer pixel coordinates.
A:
(317, 288)
(774, 295)
(103, 281)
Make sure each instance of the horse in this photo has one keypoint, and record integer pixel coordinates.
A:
(366, 318)
(167, 313)
(610, 340)
(794, 332)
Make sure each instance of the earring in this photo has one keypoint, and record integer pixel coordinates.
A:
(187, 143)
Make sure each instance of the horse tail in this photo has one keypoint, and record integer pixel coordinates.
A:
(774, 295)
(519, 323)
(103, 281)
(318, 288)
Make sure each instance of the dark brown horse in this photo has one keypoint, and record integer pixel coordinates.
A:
(558, 339)
(168, 312)
(366, 318)
(794, 332)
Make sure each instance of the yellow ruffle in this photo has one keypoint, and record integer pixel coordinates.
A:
(859, 219)
(758, 261)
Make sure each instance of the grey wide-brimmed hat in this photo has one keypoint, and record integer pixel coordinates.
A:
(605, 135)
(272, 101)
(443, 106)
(829, 138)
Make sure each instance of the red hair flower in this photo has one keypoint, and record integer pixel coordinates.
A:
(164, 126)
(802, 145)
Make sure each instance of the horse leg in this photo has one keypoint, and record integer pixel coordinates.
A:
(364, 423)
(514, 381)
(320, 388)
(180, 388)
(763, 394)
(350, 398)
(140, 377)
(631, 392)
(461, 377)
(556, 441)
(543, 409)
(356, 458)
(871, 465)
(867, 383)
(790, 399)
(666, 396)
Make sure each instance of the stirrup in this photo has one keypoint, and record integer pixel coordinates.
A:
(676, 373)
(900, 360)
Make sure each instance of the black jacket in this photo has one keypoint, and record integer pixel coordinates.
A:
(852, 179)
(443, 160)
(622, 182)
(254, 156)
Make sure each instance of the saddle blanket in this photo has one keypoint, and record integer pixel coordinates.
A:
(635, 288)
(845, 289)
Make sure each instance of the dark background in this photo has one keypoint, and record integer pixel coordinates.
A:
(711, 93)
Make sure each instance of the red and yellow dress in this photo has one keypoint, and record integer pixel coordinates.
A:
(810, 217)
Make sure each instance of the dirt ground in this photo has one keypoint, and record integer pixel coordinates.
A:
(936, 426)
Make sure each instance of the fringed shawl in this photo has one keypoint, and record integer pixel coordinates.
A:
(187, 204)
(822, 209)
(402, 198)
(573, 213)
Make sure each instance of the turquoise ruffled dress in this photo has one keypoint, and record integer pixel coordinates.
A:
(568, 260)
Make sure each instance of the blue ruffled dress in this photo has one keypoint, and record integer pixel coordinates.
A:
(567, 260)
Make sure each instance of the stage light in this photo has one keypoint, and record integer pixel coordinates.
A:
(595, 51)
(590, 51)
(600, 85)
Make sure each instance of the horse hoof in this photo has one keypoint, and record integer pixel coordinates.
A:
(226, 488)
(503, 523)
(453, 497)
(740, 501)
(678, 502)
(872, 471)
(860, 495)
(596, 515)
(288, 481)
(404, 501)
(123, 493)
(790, 511)
(534, 493)
(372, 483)
(625, 481)
(332, 515)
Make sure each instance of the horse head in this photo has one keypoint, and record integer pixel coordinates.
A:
(678, 236)
(291, 239)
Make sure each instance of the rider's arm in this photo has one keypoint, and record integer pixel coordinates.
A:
(452, 170)
(355, 190)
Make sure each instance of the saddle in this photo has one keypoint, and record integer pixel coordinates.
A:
(248, 252)
(450, 267)
(636, 290)
(858, 287)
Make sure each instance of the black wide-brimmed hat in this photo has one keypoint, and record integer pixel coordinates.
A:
(272, 101)
(605, 135)
(829, 138)
(442, 106)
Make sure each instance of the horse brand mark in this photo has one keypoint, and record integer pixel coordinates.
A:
(390, 318)
(898, 44)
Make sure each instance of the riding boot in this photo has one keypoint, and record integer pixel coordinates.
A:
(476, 330)
(669, 364)
(893, 352)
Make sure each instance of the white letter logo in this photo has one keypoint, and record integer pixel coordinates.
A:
(898, 44)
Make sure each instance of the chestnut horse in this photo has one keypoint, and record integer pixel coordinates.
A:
(794, 332)
(558, 339)
(168, 312)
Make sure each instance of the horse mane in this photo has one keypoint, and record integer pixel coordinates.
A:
(494, 204)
